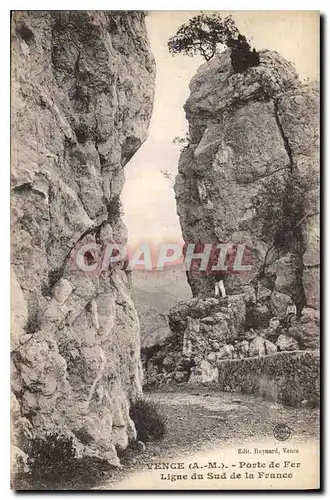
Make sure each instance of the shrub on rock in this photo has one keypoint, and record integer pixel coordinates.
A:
(149, 423)
(202, 35)
(51, 459)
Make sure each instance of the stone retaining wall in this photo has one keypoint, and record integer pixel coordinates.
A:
(291, 378)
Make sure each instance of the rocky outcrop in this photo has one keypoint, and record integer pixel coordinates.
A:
(82, 97)
(206, 331)
(250, 174)
(210, 346)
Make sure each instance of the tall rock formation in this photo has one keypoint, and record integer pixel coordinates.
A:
(251, 174)
(82, 97)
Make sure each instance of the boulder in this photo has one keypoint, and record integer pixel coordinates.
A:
(311, 280)
(179, 376)
(279, 304)
(262, 293)
(274, 324)
(307, 330)
(215, 345)
(212, 357)
(270, 348)
(250, 334)
(285, 343)
(205, 374)
(225, 352)
(310, 315)
(257, 347)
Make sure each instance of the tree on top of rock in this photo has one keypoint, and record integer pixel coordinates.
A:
(204, 33)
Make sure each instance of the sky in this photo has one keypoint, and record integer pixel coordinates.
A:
(148, 198)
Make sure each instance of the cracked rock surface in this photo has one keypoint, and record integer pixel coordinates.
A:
(250, 174)
(82, 97)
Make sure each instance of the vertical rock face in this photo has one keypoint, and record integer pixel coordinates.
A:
(250, 174)
(82, 96)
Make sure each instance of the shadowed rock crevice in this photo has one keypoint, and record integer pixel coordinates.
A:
(285, 139)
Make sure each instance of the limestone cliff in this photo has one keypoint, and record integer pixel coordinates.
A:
(251, 174)
(82, 97)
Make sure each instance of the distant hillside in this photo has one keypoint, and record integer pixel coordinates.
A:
(154, 293)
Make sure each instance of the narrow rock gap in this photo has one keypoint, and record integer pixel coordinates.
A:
(285, 139)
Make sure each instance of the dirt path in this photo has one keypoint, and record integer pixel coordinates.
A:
(203, 418)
